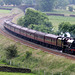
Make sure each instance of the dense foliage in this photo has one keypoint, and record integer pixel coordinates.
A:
(45, 5)
(36, 20)
(61, 3)
(1, 2)
(28, 54)
(72, 1)
(67, 27)
(14, 2)
(10, 2)
(28, 2)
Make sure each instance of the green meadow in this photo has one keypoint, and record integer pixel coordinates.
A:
(59, 11)
(56, 20)
(8, 73)
(4, 11)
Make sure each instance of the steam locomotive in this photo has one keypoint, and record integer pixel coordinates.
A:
(61, 43)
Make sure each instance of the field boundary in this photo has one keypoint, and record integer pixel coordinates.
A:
(59, 15)
(12, 69)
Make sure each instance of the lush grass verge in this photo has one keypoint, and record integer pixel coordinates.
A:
(2, 63)
(39, 62)
(6, 73)
(7, 7)
(56, 20)
(4, 11)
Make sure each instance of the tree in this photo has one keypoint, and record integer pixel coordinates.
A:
(45, 5)
(41, 28)
(67, 27)
(72, 30)
(33, 16)
(36, 20)
(73, 1)
(14, 2)
(64, 27)
(1, 2)
(29, 2)
(61, 3)
(70, 8)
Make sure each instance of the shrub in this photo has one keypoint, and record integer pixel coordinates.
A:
(28, 54)
(70, 8)
(11, 51)
(64, 27)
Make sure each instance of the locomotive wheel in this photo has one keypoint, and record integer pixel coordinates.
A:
(63, 51)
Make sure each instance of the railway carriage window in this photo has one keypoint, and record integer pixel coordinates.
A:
(8, 26)
(32, 35)
(24, 32)
(48, 39)
(42, 37)
(53, 40)
(28, 33)
(17, 29)
(36, 36)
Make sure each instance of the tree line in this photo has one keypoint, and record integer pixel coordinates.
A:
(43, 5)
(10, 2)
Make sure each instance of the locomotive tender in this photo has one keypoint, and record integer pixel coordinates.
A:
(62, 43)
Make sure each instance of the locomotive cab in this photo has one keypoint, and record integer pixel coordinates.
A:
(72, 47)
(68, 45)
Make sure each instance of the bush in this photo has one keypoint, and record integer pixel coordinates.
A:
(64, 27)
(28, 54)
(70, 8)
(11, 51)
(33, 16)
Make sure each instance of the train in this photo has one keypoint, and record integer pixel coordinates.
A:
(64, 44)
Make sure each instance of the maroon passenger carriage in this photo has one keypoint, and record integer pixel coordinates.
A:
(49, 40)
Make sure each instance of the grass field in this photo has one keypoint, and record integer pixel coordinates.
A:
(58, 11)
(4, 11)
(56, 20)
(6, 73)
(38, 62)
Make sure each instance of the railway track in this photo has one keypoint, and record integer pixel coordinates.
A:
(30, 44)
